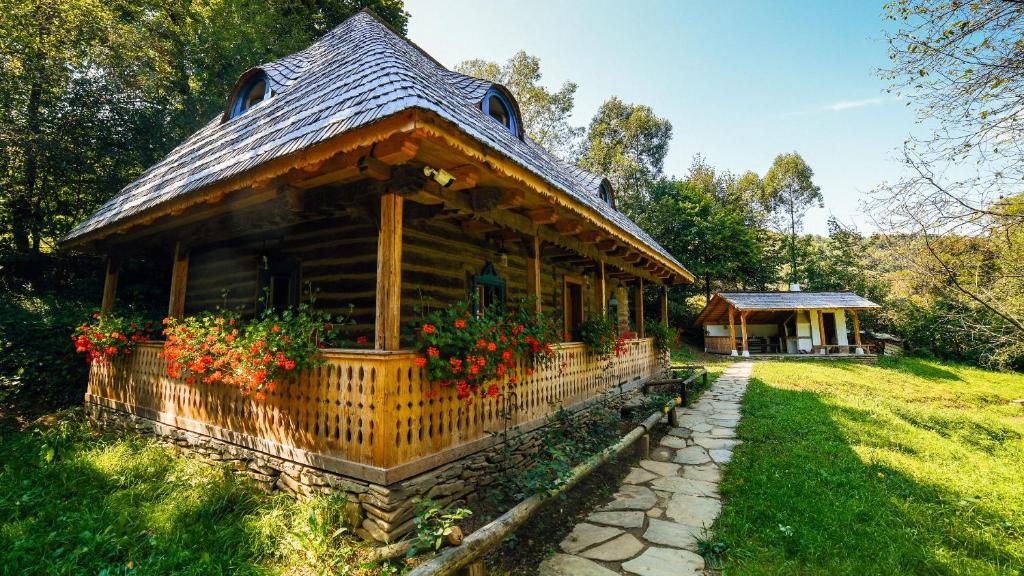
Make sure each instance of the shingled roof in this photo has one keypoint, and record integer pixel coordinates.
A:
(358, 73)
(717, 309)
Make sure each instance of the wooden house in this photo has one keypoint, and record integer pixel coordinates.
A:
(363, 167)
(738, 323)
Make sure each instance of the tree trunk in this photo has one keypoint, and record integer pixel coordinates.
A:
(21, 208)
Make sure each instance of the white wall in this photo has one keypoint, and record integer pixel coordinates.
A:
(752, 330)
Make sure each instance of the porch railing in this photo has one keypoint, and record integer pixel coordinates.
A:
(363, 413)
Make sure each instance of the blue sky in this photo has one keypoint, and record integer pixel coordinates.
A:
(741, 81)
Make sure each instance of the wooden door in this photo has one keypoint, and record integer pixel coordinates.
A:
(573, 306)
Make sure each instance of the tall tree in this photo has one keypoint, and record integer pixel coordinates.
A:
(93, 92)
(789, 191)
(628, 144)
(959, 65)
(546, 114)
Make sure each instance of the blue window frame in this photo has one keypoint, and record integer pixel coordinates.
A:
(607, 196)
(497, 106)
(254, 91)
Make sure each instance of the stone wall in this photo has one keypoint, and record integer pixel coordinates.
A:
(382, 513)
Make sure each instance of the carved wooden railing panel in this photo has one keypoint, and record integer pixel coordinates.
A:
(367, 408)
(719, 344)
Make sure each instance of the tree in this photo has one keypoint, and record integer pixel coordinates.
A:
(91, 93)
(789, 192)
(627, 143)
(546, 114)
(957, 211)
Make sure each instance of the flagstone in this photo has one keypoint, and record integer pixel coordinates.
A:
(679, 485)
(665, 562)
(672, 534)
(566, 565)
(622, 519)
(660, 468)
(585, 535)
(691, 455)
(621, 548)
(639, 476)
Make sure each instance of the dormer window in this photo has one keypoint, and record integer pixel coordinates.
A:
(606, 194)
(255, 90)
(497, 106)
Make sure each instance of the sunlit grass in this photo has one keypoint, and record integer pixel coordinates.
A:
(911, 467)
(130, 506)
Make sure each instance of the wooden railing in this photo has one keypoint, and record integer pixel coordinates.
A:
(842, 348)
(719, 344)
(363, 413)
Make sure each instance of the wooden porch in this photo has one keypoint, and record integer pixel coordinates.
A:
(366, 414)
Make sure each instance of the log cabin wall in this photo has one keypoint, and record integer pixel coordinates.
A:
(336, 256)
(439, 260)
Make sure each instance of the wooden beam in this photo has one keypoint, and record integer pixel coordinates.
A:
(179, 280)
(606, 245)
(389, 272)
(466, 177)
(639, 308)
(632, 257)
(110, 284)
(856, 328)
(600, 289)
(821, 328)
(373, 168)
(568, 226)
(476, 226)
(533, 275)
(397, 149)
(543, 215)
(589, 236)
(732, 328)
(663, 296)
(743, 329)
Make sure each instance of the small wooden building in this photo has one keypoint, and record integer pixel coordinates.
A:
(363, 167)
(783, 323)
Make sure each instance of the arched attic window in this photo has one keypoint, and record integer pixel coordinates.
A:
(499, 106)
(253, 90)
(606, 194)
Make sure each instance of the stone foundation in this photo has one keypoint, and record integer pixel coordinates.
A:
(382, 513)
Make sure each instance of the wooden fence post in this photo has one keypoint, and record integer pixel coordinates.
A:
(639, 307)
(110, 284)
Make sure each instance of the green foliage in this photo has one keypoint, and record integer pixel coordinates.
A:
(467, 351)
(910, 467)
(435, 524)
(545, 114)
(626, 143)
(665, 338)
(129, 506)
(789, 191)
(599, 333)
(92, 93)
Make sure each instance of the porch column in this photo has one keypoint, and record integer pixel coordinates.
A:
(856, 332)
(110, 284)
(743, 328)
(664, 304)
(821, 331)
(600, 290)
(639, 307)
(179, 279)
(533, 274)
(389, 272)
(732, 331)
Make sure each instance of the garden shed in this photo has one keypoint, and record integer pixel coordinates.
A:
(793, 322)
(362, 168)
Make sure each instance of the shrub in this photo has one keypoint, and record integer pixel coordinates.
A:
(254, 355)
(110, 335)
(665, 338)
(466, 351)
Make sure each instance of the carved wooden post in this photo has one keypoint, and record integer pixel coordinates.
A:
(601, 290)
(743, 329)
(732, 331)
(664, 304)
(856, 332)
(639, 307)
(821, 332)
(389, 272)
(533, 276)
(110, 284)
(179, 280)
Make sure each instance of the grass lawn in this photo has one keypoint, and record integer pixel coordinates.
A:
(126, 506)
(910, 467)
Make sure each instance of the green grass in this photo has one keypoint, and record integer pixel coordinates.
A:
(124, 506)
(911, 467)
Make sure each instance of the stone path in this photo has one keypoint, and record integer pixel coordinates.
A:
(651, 526)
